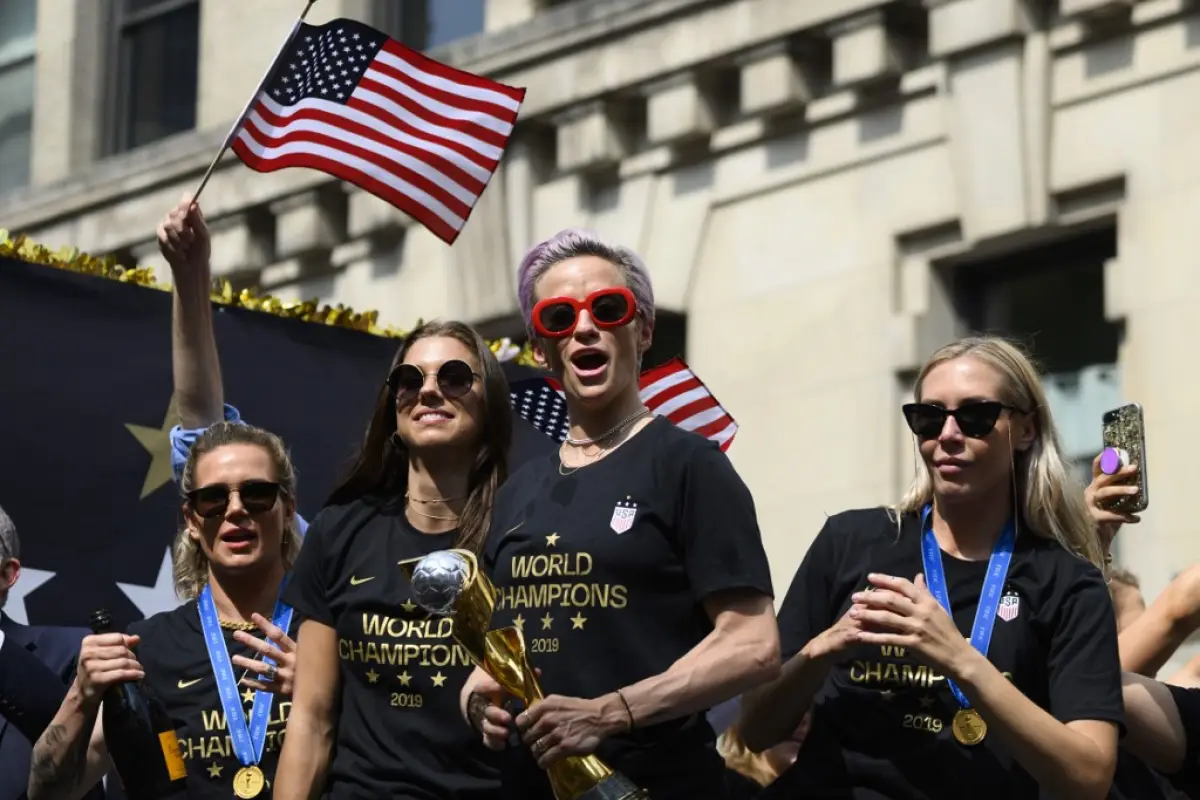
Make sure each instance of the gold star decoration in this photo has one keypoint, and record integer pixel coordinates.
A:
(887, 694)
(439, 679)
(519, 623)
(214, 770)
(248, 695)
(157, 442)
(926, 701)
(372, 676)
(552, 540)
(577, 621)
(409, 606)
(547, 621)
(404, 678)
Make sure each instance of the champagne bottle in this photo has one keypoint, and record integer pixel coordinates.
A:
(140, 736)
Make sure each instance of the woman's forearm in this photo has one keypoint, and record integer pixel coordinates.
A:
(59, 767)
(771, 712)
(304, 761)
(1065, 761)
(197, 370)
(724, 664)
(1151, 639)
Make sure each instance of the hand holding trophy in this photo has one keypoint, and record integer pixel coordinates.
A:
(450, 583)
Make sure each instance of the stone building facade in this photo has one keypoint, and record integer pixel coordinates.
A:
(825, 190)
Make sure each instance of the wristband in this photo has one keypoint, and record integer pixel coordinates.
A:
(628, 710)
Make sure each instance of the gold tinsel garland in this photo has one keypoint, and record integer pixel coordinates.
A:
(72, 260)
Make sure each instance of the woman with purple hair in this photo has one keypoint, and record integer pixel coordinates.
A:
(631, 559)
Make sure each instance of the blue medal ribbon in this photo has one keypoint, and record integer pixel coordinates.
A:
(993, 586)
(248, 740)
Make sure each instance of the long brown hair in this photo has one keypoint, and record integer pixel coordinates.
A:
(189, 564)
(381, 467)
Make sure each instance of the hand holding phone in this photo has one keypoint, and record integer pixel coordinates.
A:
(1124, 460)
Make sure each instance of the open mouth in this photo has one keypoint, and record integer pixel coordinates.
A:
(239, 540)
(431, 416)
(589, 362)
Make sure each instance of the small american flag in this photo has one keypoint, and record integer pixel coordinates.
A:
(349, 101)
(670, 390)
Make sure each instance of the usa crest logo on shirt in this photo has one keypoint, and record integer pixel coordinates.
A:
(623, 516)
(1010, 606)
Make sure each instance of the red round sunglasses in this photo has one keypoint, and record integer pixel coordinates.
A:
(556, 317)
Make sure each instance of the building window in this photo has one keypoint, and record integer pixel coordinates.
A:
(428, 25)
(157, 53)
(18, 23)
(1052, 299)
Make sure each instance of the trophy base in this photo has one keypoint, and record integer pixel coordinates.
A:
(615, 787)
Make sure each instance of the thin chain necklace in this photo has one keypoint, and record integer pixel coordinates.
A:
(419, 513)
(625, 423)
(603, 451)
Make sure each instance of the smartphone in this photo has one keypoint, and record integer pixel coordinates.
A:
(1125, 432)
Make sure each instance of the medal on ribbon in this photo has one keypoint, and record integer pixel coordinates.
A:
(248, 739)
(968, 725)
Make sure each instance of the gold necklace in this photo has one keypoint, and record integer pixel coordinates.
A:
(407, 496)
(237, 626)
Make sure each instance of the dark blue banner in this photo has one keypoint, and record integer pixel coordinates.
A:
(85, 393)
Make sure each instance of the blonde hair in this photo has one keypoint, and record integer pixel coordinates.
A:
(742, 760)
(188, 561)
(1049, 496)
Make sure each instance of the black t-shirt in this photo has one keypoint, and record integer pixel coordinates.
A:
(605, 570)
(881, 722)
(179, 673)
(400, 732)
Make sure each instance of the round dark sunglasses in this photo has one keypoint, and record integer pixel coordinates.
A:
(556, 317)
(976, 420)
(213, 500)
(454, 379)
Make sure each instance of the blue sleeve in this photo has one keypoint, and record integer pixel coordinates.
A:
(182, 440)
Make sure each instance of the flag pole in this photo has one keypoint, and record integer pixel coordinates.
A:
(237, 125)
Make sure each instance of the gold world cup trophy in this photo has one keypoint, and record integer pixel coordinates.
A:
(450, 583)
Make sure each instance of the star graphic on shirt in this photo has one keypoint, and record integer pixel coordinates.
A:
(157, 442)
(577, 621)
(519, 623)
(214, 770)
(248, 696)
(409, 606)
(887, 694)
(439, 679)
(552, 540)
(404, 678)
(926, 701)
(372, 676)
(547, 621)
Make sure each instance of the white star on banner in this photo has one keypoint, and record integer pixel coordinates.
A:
(27, 584)
(151, 600)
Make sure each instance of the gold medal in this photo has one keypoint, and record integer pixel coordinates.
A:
(249, 782)
(969, 728)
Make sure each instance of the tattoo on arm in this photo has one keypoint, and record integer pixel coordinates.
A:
(58, 764)
(476, 705)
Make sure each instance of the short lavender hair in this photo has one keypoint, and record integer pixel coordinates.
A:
(575, 242)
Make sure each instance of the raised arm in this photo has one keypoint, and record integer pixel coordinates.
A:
(70, 756)
(308, 745)
(184, 241)
(1150, 640)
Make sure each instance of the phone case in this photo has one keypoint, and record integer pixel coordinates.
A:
(1124, 429)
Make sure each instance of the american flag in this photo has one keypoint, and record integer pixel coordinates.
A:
(670, 390)
(345, 99)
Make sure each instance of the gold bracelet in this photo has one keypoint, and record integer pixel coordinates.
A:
(628, 710)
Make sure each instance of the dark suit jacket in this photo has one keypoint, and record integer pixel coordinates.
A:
(37, 664)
